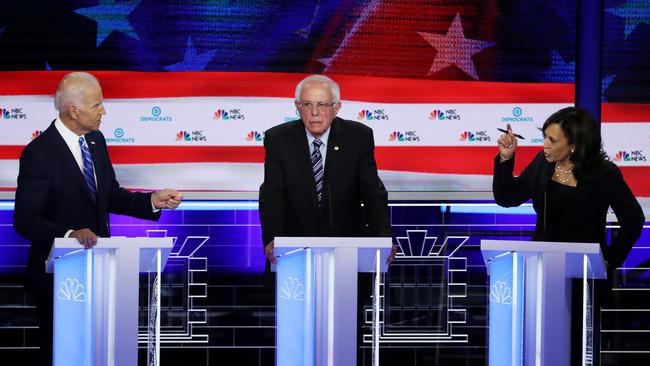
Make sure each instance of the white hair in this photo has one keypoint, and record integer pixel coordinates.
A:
(71, 88)
(333, 86)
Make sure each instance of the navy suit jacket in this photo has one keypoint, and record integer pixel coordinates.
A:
(52, 196)
(288, 203)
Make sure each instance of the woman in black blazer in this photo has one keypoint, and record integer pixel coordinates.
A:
(572, 184)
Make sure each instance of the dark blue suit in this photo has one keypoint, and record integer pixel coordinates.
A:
(52, 198)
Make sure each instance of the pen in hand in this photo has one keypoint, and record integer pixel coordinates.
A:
(514, 134)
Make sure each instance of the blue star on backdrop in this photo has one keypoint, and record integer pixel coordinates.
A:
(192, 61)
(111, 16)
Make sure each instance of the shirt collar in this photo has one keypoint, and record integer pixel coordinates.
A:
(69, 137)
(323, 138)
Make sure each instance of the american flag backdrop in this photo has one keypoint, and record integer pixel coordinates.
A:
(190, 86)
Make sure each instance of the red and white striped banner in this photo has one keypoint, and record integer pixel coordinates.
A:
(204, 131)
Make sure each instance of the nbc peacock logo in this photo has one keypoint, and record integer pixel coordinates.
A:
(254, 136)
(467, 137)
(396, 136)
(221, 114)
(229, 114)
(12, 113)
(373, 115)
(632, 156)
(183, 136)
(622, 156)
(447, 114)
(36, 133)
(364, 115)
(437, 115)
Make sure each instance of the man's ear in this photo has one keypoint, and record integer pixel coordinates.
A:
(72, 111)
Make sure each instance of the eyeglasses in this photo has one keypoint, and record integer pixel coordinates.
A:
(321, 106)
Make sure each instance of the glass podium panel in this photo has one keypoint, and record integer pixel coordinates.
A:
(295, 309)
(153, 310)
(588, 312)
(73, 315)
(506, 310)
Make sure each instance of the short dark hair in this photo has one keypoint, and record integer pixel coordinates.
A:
(582, 131)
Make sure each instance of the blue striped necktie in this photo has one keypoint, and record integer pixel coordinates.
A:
(89, 173)
(317, 169)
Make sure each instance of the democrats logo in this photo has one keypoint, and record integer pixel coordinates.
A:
(36, 133)
(228, 115)
(374, 115)
(119, 137)
(446, 115)
(631, 157)
(476, 136)
(517, 116)
(292, 118)
(12, 113)
(193, 136)
(404, 136)
(254, 136)
(156, 116)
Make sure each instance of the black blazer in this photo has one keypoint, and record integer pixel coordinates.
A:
(288, 203)
(585, 218)
(52, 196)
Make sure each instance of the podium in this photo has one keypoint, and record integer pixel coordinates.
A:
(316, 297)
(96, 299)
(530, 300)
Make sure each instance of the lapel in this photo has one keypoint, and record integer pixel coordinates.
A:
(334, 149)
(70, 167)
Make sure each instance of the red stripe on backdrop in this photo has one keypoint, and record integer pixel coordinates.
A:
(10, 152)
(167, 154)
(447, 159)
(438, 160)
(625, 112)
(183, 154)
(124, 84)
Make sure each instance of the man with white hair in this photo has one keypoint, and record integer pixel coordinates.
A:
(67, 188)
(318, 171)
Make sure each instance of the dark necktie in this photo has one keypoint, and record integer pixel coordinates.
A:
(317, 169)
(89, 174)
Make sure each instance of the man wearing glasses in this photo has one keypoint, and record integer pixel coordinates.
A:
(318, 171)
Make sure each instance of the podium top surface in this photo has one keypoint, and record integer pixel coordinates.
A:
(365, 247)
(64, 246)
(115, 242)
(573, 252)
(334, 242)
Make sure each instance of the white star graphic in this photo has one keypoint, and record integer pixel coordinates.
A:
(454, 49)
(111, 16)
